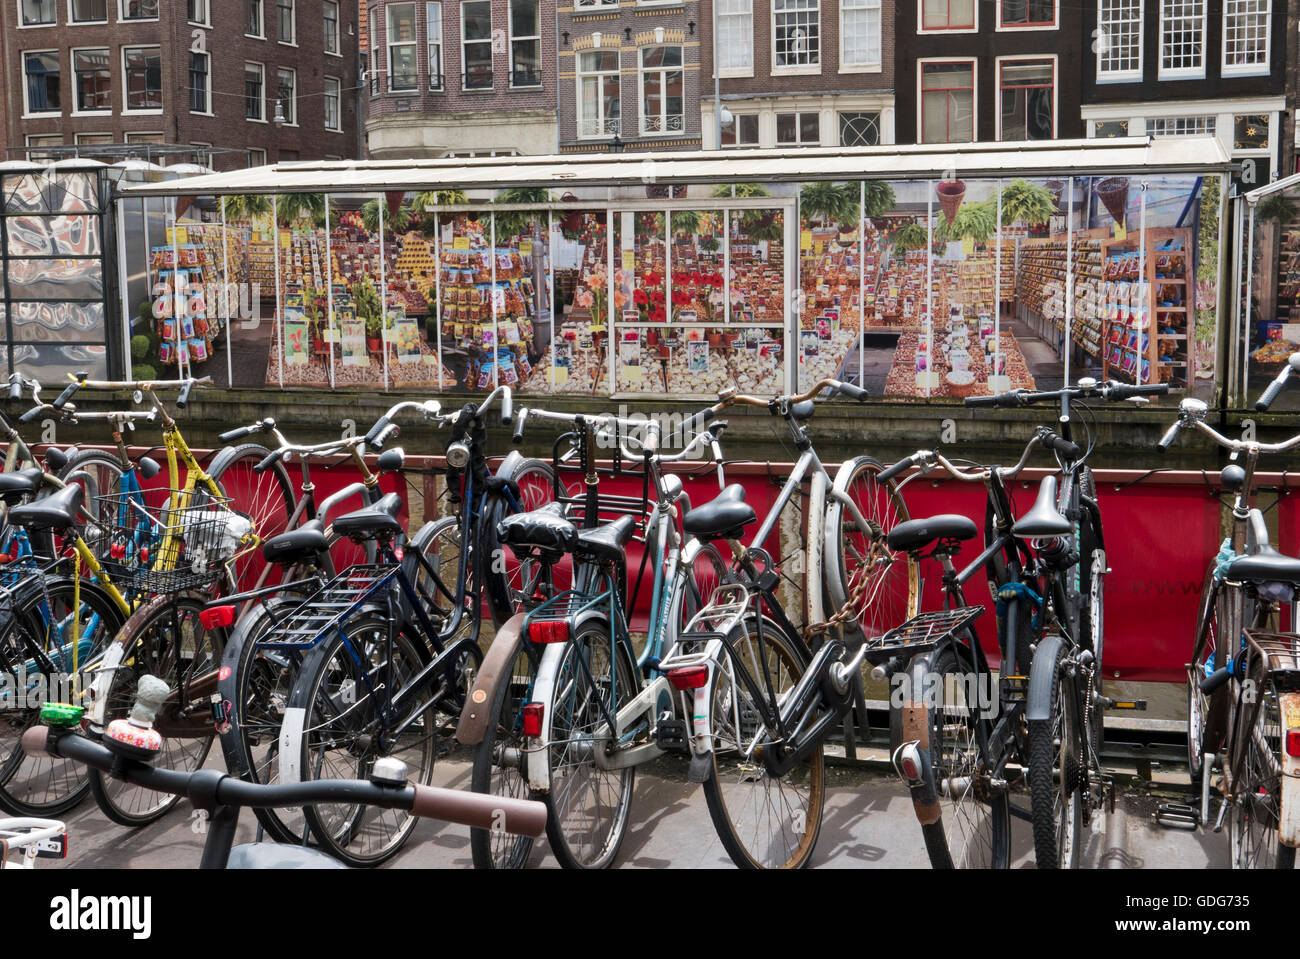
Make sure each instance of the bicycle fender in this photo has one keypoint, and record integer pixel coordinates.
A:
(1042, 677)
(537, 761)
(915, 725)
(1288, 705)
(496, 664)
(510, 465)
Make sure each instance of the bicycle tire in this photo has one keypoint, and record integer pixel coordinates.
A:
(1207, 716)
(506, 584)
(1253, 817)
(47, 786)
(575, 775)
(268, 498)
(735, 786)
(151, 646)
(345, 830)
(1055, 803)
(99, 474)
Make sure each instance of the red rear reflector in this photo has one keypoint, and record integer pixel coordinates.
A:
(533, 719)
(1293, 742)
(911, 770)
(548, 631)
(689, 677)
(399, 553)
(217, 616)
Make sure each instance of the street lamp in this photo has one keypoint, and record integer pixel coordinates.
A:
(616, 145)
(279, 119)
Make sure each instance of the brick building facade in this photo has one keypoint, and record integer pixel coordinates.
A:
(91, 73)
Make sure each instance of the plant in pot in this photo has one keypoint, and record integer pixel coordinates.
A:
(1027, 203)
(830, 203)
(910, 236)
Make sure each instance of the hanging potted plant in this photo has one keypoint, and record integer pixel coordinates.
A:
(1026, 203)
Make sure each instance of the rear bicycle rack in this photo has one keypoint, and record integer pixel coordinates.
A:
(921, 633)
(1280, 653)
(329, 607)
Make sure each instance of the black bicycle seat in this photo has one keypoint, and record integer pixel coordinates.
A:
(1265, 566)
(372, 522)
(723, 517)
(606, 543)
(916, 534)
(544, 529)
(56, 511)
(301, 545)
(14, 486)
(1044, 519)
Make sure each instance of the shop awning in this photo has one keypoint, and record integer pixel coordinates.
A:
(1093, 157)
(1277, 186)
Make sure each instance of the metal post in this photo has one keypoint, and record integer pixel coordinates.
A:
(329, 290)
(862, 285)
(550, 283)
(1069, 279)
(496, 342)
(609, 294)
(383, 289)
(1148, 320)
(275, 256)
(122, 285)
(437, 289)
(225, 293)
(929, 287)
(182, 347)
(997, 283)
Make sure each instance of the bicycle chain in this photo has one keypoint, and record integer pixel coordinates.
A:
(846, 611)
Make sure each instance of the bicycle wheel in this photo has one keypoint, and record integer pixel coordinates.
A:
(1207, 715)
(1055, 749)
(508, 582)
(1254, 816)
(858, 567)
(974, 828)
(764, 822)
(498, 766)
(48, 786)
(99, 474)
(342, 699)
(267, 498)
(706, 574)
(164, 638)
(587, 805)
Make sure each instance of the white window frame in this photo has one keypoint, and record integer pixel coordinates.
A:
(880, 125)
(1248, 69)
(871, 66)
(256, 153)
(126, 91)
(642, 72)
(208, 92)
(1182, 73)
(1000, 27)
(974, 100)
(511, 38)
(492, 59)
(338, 103)
(999, 62)
(413, 43)
(602, 134)
(338, 28)
(207, 14)
(80, 23)
(739, 17)
(1209, 121)
(922, 28)
(77, 139)
(123, 18)
(27, 142)
(76, 107)
(261, 68)
(758, 133)
(1123, 76)
(809, 69)
(585, 5)
(290, 108)
(376, 69)
(797, 112)
(27, 87)
(430, 8)
(293, 23)
(54, 9)
(261, 20)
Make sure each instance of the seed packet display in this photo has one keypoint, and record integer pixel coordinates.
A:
(697, 356)
(823, 328)
(525, 367)
(485, 375)
(354, 343)
(508, 374)
(810, 343)
(198, 348)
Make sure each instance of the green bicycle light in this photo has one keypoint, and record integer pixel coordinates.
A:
(63, 715)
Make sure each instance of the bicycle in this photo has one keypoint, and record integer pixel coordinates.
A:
(534, 715)
(219, 797)
(32, 839)
(1243, 699)
(953, 743)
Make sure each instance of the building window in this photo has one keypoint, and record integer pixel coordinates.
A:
(599, 94)
(743, 131)
(796, 33)
(139, 9)
(94, 78)
(663, 98)
(1026, 13)
(947, 14)
(254, 98)
(256, 26)
(948, 102)
(859, 129)
(256, 156)
(330, 14)
(200, 83)
(376, 59)
(403, 71)
(94, 139)
(332, 100)
(1246, 36)
(286, 24)
(196, 11)
(1119, 40)
(88, 11)
(476, 44)
(286, 92)
(1182, 38)
(578, 4)
(859, 33)
(433, 24)
(1105, 129)
(1180, 126)
(525, 44)
(38, 147)
(36, 13)
(42, 71)
(735, 42)
(1026, 93)
(798, 129)
(143, 68)
(1250, 131)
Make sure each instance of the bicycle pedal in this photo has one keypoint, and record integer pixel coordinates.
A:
(671, 736)
(1177, 815)
(1140, 705)
(1013, 689)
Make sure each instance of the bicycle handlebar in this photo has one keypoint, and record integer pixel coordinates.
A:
(239, 432)
(1271, 392)
(1086, 388)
